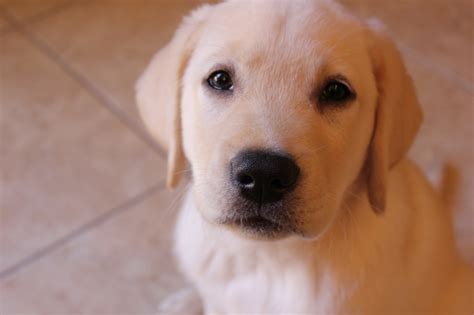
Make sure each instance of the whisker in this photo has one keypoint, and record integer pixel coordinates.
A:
(165, 214)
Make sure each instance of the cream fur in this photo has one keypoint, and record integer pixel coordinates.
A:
(373, 235)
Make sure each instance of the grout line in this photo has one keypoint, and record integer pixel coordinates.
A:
(39, 16)
(106, 100)
(81, 230)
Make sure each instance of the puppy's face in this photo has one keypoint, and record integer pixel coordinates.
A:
(277, 114)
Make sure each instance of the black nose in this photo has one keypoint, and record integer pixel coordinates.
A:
(263, 176)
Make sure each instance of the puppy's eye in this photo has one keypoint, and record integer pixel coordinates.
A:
(220, 80)
(335, 92)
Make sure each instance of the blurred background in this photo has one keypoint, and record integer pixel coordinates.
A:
(85, 218)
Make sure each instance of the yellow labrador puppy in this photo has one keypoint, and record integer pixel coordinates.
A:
(295, 117)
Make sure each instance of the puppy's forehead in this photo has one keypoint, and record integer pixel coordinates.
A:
(296, 32)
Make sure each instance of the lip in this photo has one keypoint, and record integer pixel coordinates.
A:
(257, 224)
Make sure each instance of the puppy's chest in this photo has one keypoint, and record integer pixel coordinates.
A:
(250, 284)
(233, 277)
(266, 289)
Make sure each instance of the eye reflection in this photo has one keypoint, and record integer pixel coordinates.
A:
(220, 80)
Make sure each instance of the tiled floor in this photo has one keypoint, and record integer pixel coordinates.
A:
(85, 220)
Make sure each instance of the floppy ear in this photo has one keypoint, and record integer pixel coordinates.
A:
(158, 92)
(398, 114)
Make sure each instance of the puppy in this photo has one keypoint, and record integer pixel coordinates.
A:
(295, 118)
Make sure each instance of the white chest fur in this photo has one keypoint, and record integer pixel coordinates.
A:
(246, 276)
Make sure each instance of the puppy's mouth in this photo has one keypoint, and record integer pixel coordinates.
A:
(259, 223)
(258, 226)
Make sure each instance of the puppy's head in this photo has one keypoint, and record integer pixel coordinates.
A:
(281, 109)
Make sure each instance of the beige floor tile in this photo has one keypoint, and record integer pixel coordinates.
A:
(123, 267)
(113, 40)
(64, 157)
(441, 31)
(3, 24)
(24, 10)
(447, 135)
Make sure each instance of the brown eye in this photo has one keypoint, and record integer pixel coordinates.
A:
(220, 80)
(335, 92)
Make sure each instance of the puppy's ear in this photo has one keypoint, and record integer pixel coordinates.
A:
(398, 113)
(158, 91)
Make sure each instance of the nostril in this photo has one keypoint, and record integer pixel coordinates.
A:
(246, 181)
